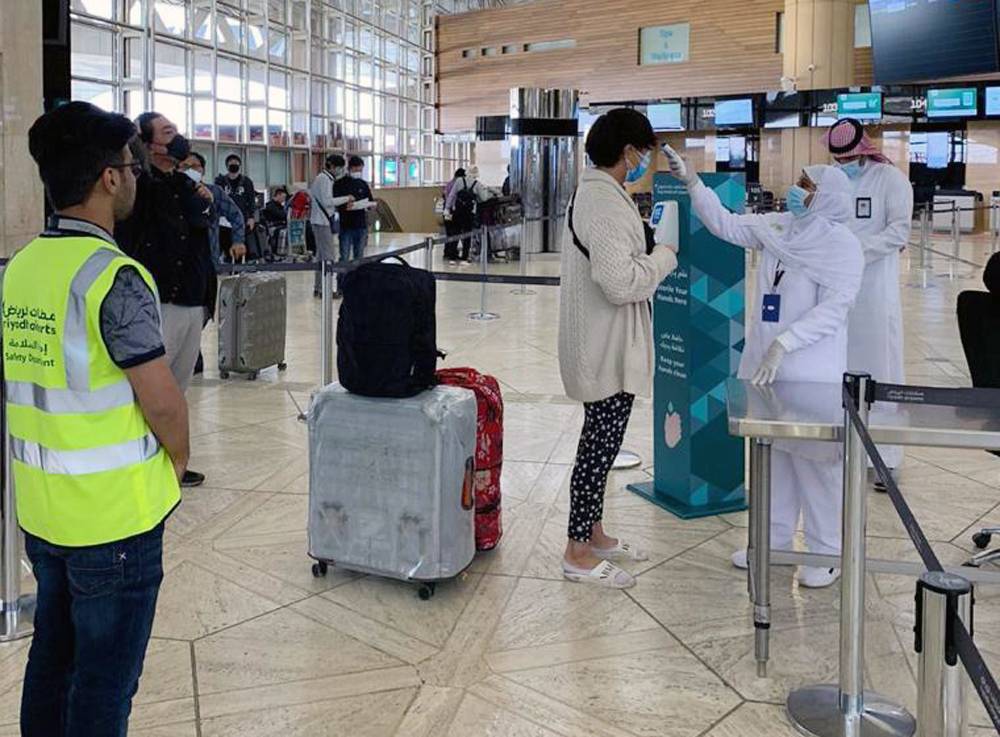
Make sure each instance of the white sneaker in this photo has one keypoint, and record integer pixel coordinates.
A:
(739, 559)
(818, 578)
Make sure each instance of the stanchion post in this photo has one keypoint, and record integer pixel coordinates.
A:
(326, 322)
(925, 238)
(941, 707)
(18, 611)
(484, 249)
(956, 240)
(995, 230)
(429, 254)
(845, 709)
(759, 549)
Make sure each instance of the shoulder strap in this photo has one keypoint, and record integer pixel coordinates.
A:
(572, 230)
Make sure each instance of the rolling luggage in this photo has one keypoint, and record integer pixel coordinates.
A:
(252, 310)
(390, 484)
(489, 450)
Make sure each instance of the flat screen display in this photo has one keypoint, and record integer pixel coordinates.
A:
(784, 109)
(860, 105)
(733, 112)
(920, 40)
(958, 102)
(585, 120)
(993, 100)
(665, 116)
(937, 150)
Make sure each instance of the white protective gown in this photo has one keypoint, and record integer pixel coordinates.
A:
(882, 213)
(823, 265)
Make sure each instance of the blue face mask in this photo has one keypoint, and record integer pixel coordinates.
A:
(634, 175)
(796, 201)
(852, 168)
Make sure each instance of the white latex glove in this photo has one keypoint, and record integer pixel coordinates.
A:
(677, 165)
(768, 369)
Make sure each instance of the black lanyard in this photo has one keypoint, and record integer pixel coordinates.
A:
(779, 274)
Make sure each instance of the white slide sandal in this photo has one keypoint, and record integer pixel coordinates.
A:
(625, 550)
(603, 574)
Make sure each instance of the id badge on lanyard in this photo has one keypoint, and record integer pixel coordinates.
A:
(771, 308)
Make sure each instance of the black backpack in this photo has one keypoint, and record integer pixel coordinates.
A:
(386, 332)
(466, 203)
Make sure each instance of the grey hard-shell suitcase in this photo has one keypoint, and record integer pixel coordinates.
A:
(391, 484)
(252, 311)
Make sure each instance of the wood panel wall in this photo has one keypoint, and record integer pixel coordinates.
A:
(732, 50)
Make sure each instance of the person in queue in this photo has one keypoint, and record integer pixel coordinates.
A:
(324, 216)
(86, 370)
(605, 331)
(223, 208)
(353, 222)
(275, 214)
(881, 218)
(808, 279)
(168, 233)
(241, 189)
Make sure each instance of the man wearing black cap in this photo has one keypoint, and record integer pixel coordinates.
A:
(168, 233)
(98, 430)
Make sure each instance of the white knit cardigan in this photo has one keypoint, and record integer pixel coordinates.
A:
(605, 330)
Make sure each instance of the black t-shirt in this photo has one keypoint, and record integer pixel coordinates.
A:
(352, 219)
(242, 192)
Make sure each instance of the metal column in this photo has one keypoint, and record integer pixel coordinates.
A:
(326, 322)
(846, 709)
(759, 549)
(941, 598)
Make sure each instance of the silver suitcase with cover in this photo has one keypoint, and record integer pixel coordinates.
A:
(391, 483)
(252, 312)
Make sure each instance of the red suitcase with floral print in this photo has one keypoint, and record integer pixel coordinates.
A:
(489, 450)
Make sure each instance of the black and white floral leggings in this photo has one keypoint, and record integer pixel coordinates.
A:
(604, 427)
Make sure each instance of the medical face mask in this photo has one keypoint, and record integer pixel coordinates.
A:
(634, 175)
(796, 201)
(852, 168)
(194, 175)
(339, 172)
(233, 168)
(357, 174)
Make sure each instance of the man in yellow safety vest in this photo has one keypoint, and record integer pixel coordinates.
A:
(98, 430)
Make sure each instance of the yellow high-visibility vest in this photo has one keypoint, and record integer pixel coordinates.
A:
(87, 469)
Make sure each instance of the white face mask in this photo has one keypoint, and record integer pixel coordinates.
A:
(357, 174)
(194, 175)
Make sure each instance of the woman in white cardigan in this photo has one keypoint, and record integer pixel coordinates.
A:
(605, 330)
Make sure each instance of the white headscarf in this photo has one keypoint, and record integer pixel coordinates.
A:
(818, 244)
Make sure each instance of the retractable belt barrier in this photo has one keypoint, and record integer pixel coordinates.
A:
(958, 636)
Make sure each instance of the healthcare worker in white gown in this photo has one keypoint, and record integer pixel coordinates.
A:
(881, 218)
(809, 275)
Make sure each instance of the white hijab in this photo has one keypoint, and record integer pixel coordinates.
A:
(818, 244)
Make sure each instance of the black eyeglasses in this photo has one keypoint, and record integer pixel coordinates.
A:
(135, 166)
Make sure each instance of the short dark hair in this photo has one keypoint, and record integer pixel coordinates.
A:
(459, 172)
(335, 160)
(145, 125)
(201, 159)
(280, 188)
(356, 161)
(233, 156)
(615, 130)
(73, 145)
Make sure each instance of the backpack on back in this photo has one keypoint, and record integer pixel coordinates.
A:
(386, 332)
(466, 203)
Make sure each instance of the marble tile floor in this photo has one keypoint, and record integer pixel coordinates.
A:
(247, 642)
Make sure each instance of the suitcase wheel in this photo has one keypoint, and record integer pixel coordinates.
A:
(252, 376)
(319, 569)
(282, 366)
(223, 374)
(426, 591)
(982, 540)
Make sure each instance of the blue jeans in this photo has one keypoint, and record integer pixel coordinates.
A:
(93, 621)
(353, 243)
